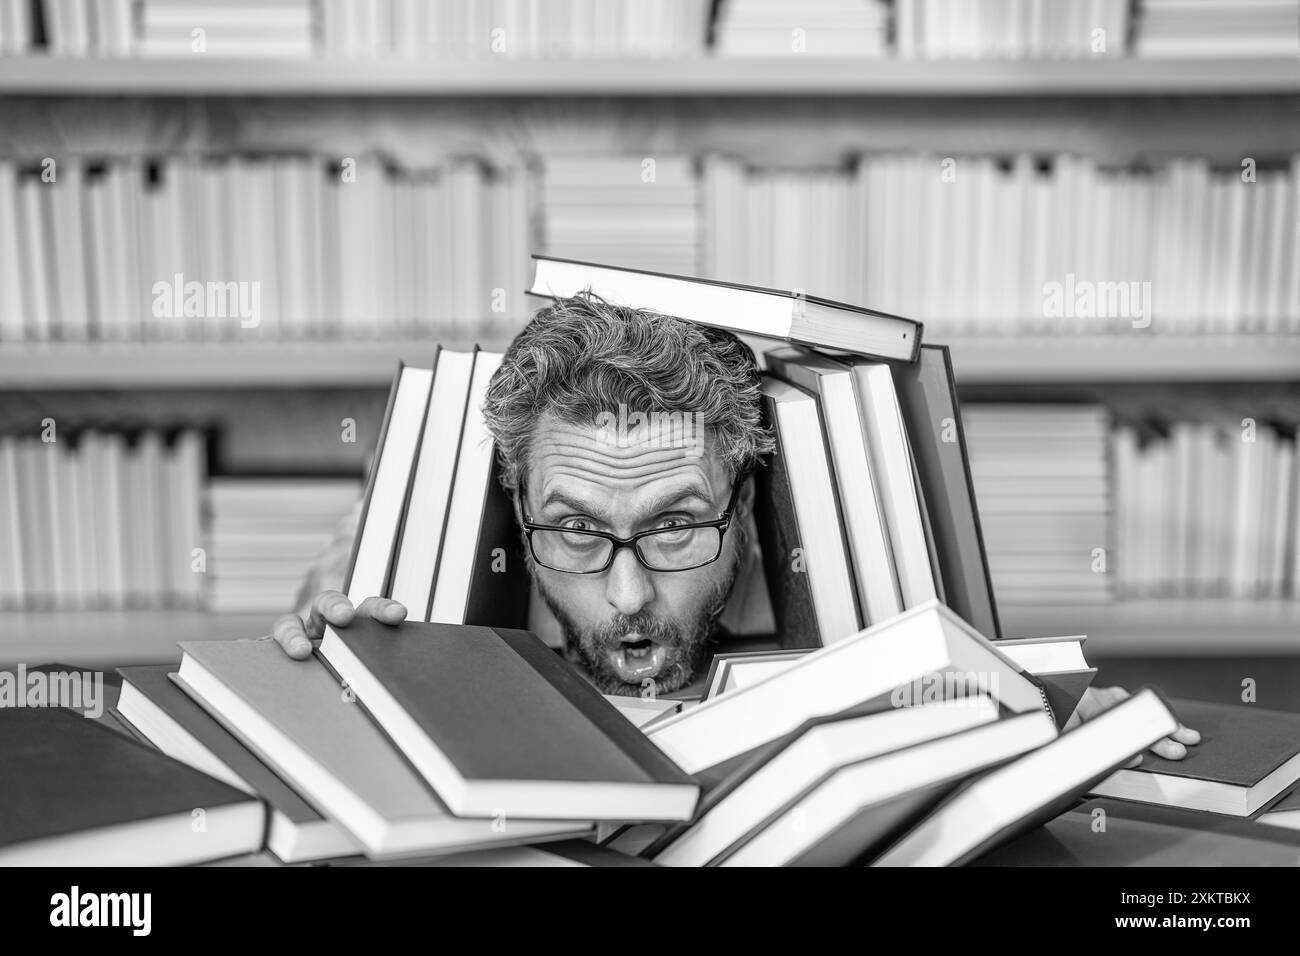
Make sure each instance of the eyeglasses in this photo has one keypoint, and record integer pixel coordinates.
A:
(574, 551)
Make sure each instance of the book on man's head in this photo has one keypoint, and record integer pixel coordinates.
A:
(78, 794)
(797, 514)
(1246, 757)
(169, 719)
(497, 722)
(748, 310)
(295, 716)
(996, 807)
(927, 653)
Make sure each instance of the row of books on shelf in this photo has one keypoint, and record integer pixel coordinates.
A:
(223, 248)
(569, 29)
(916, 742)
(239, 248)
(103, 523)
(977, 244)
(1207, 507)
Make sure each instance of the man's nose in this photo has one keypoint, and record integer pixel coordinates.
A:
(627, 585)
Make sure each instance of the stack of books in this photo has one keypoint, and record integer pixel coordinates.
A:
(635, 211)
(73, 28)
(224, 248)
(1012, 29)
(831, 28)
(1206, 509)
(1040, 474)
(262, 29)
(99, 521)
(263, 532)
(1210, 28)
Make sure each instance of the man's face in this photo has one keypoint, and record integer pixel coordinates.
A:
(629, 625)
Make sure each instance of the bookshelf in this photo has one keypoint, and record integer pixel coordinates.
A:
(793, 111)
(700, 77)
(366, 363)
(1148, 628)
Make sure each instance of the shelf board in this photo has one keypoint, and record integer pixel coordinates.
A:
(1124, 358)
(1201, 627)
(107, 639)
(370, 363)
(1192, 628)
(702, 76)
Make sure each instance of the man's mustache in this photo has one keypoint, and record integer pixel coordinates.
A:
(645, 625)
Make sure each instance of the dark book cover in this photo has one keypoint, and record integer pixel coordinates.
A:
(1240, 744)
(76, 776)
(498, 589)
(154, 682)
(778, 538)
(501, 705)
(927, 396)
(1064, 691)
(592, 854)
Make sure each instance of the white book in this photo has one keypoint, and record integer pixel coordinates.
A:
(34, 488)
(13, 551)
(1034, 786)
(69, 253)
(473, 472)
(868, 540)
(1292, 311)
(102, 297)
(291, 242)
(1280, 519)
(33, 209)
(153, 545)
(387, 494)
(12, 324)
(923, 643)
(51, 469)
(821, 750)
(468, 207)
(190, 464)
(1234, 258)
(110, 452)
(15, 27)
(1277, 218)
(427, 515)
(1248, 479)
(404, 261)
(81, 544)
(891, 464)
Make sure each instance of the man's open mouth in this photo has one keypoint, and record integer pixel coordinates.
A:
(635, 658)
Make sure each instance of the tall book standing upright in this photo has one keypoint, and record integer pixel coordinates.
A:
(798, 519)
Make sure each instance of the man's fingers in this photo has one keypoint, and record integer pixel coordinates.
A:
(1185, 735)
(1169, 749)
(384, 610)
(330, 607)
(290, 635)
(1134, 762)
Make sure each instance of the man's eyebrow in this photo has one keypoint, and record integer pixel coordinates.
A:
(656, 506)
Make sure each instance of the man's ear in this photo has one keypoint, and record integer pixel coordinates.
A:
(745, 504)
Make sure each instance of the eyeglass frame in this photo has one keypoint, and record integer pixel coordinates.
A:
(722, 523)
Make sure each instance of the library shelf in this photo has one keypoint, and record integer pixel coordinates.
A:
(1156, 627)
(1200, 627)
(343, 363)
(201, 75)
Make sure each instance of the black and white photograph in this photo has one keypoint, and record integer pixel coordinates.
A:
(650, 433)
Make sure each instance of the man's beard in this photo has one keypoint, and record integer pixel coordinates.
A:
(686, 643)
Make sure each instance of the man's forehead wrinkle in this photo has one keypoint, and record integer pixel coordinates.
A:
(687, 474)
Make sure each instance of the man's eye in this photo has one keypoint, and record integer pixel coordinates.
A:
(576, 524)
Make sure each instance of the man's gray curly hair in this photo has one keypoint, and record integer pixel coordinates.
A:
(581, 356)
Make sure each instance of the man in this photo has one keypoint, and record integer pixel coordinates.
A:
(635, 533)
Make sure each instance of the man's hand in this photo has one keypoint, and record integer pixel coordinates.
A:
(1097, 699)
(333, 608)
